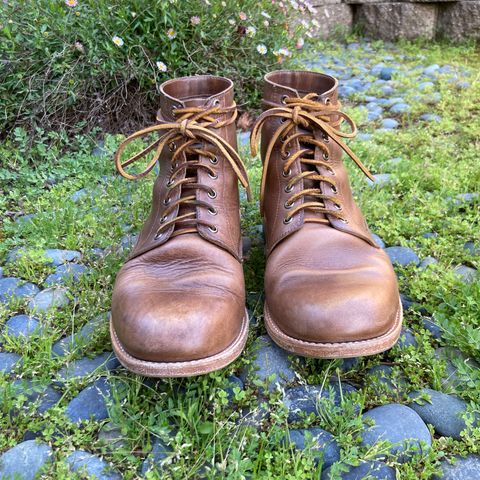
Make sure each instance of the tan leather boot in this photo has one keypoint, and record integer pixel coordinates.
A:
(330, 291)
(178, 306)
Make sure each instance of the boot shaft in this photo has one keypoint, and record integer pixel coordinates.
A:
(304, 178)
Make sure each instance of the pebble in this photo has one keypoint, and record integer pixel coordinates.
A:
(472, 248)
(402, 256)
(112, 437)
(386, 73)
(24, 219)
(378, 240)
(160, 451)
(52, 297)
(466, 198)
(364, 137)
(8, 361)
(387, 377)
(22, 326)
(381, 179)
(78, 195)
(66, 273)
(243, 139)
(406, 302)
(88, 464)
(467, 468)
(442, 411)
(304, 400)
(407, 339)
(91, 402)
(11, 288)
(270, 360)
(370, 470)
(433, 328)
(389, 123)
(44, 396)
(388, 90)
(81, 338)
(399, 425)
(1, 272)
(346, 91)
(432, 70)
(399, 108)
(317, 441)
(58, 257)
(84, 367)
(426, 262)
(425, 85)
(430, 117)
(453, 378)
(24, 460)
(466, 274)
(99, 149)
(127, 242)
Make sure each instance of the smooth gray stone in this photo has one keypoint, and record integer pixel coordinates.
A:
(433, 328)
(430, 117)
(385, 375)
(466, 468)
(466, 274)
(370, 470)
(243, 139)
(1, 272)
(442, 411)
(389, 123)
(466, 198)
(471, 247)
(11, 288)
(84, 367)
(81, 338)
(57, 256)
(111, 436)
(69, 272)
(426, 262)
(53, 297)
(453, 378)
(8, 361)
(86, 463)
(381, 179)
(399, 425)
(400, 108)
(22, 326)
(318, 441)
(78, 195)
(269, 359)
(24, 460)
(407, 339)
(90, 403)
(45, 396)
(303, 400)
(378, 240)
(160, 451)
(402, 256)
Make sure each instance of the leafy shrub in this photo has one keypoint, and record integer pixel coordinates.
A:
(101, 62)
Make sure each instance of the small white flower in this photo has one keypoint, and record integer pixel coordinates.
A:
(284, 52)
(261, 49)
(266, 15)
(171, 33)
(231, 21)
(251, 31)
(224, 4)
(266, 23)
(161, 66)
(117, 41)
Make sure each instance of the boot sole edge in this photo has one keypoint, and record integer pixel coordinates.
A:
(357, 348)
(189, 368)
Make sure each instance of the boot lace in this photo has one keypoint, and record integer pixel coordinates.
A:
(308, 114)
(187, 138)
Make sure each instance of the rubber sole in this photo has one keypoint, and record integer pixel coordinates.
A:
(181, 369)
(335, 350)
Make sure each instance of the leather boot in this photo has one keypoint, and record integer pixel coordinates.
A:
(178, 305)
(330, 291)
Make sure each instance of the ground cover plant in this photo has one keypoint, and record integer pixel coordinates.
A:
(268, 415)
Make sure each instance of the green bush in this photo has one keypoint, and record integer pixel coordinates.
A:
(101, 62)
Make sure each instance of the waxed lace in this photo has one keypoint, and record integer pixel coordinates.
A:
(193, 127)
(309, 114)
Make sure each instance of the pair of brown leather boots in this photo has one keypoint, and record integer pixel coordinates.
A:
(178, 306)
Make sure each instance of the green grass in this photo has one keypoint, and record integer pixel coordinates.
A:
(438, 161)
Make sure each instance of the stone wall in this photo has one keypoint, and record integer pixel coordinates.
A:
(409, 19)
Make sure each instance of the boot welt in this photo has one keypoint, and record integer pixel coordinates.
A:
(181, 369)
(357, 348)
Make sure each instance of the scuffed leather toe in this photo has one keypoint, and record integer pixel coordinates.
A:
(165, 312)
(331, 299)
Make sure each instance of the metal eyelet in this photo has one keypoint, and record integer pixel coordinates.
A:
(172, 146)
(286, 220)
(214, 160)
(213, 229)
(284, 120)
(338, 207)
(167, 200)
(286, 173)
(327, 101)
(214, 176)
(325, 138)
(216, 102)
(288, 205)
(288, 189)
(282, 139)
(212, 194)
(334, 189)
(170, 183)
(344, 220)
(325, 156)
(286, 154)
(212, 211)
(332, 172)
(163, 219)
(284, 98)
